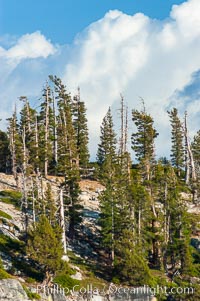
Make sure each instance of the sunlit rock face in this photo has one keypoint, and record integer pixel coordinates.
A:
(12, 290)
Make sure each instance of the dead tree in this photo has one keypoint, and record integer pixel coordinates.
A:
(189, 166)
(46, 130)
(62, 222)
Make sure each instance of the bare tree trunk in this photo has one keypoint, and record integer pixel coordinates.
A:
(13, 146)
(190, 159)
(126, 130)
(46, 132)
(55, 133)
(36, 145)
(24, 99)
(42, 195)
(13, 155)
(113, 229)
(24, 166)
(62, 222)
(24, 181)
(33, 201)
(165, 215)
(139, 225)
(122, 126)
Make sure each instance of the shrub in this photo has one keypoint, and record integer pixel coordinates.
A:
(31, 295)
(65, 281)
(11, 197)
(5, 215)
(30, 280)
(4, 274)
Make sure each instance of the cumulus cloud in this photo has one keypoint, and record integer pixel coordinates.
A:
(23, 63)
(129, 54)
(29, 46)
(137, 56)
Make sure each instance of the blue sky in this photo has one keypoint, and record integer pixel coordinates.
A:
(61, 20)
(140, 48)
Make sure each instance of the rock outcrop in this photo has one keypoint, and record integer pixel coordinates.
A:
(12, 290)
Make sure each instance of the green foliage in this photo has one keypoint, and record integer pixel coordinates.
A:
(65, 281)
(196, 147)
(72, 201)
(4, 274)
(4, 153)
(44, 246)
(10, 245)
(81, 130)
(13, 248)
(30, 280)
(11, 197)
(191, 294)
(127, 267)
(49, 206)
(29, 269)
(143, 139)
(177, 149)
(45, 131)
(31, 295)
(27, 129)
(129, 259)
(106, 154)
(5, 215)
(144, 220)
(107, 160)
(67, 151)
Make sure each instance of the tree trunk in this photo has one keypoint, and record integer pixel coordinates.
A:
(36, 145)
(62, 222)
(33, 201)
(55, 133)
(190, 159)
(113, 229)
(46, 132)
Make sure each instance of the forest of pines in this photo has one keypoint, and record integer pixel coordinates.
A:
(144, 221)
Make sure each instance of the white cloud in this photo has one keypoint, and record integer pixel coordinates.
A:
(187, 18)
(137, 56)
(23, 68)
(29, 46)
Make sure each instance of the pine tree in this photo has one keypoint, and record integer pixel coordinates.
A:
(177, 150)
(131, 267)
(107, 153)
(107, 160)
(196, 152)
(67, 149)
(68, 161)
(107, 220)
(143, 140)
(141, 213)
(50, 206)
(45, 131)
(27, 130)
(174, 230)
(143, 145)
(15, 145)
(44, 246)
(81, 130)
(5, 162)
(115, 199)
(72, 201)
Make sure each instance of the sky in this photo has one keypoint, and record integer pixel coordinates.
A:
(61, 20)
(139, 48)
